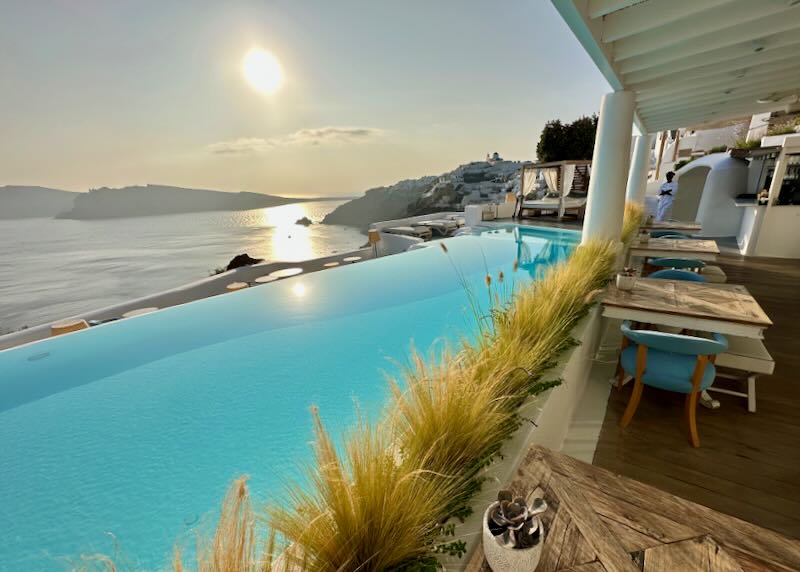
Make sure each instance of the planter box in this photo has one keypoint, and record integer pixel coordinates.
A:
(552, 411)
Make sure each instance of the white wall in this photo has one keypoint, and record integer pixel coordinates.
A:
(780, 232)
(727, 178)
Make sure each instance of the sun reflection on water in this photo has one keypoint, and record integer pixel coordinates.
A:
(289, 241)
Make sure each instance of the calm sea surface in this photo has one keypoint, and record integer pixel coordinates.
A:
(51, 269)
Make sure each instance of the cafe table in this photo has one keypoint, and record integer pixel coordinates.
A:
(722, 308)
(705, 250)
(676, 225)
(598, 521)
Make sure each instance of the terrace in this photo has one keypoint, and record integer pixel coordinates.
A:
(673, 65)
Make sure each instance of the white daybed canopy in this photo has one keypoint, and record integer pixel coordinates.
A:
(565, 187)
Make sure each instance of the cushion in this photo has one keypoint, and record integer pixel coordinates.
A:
(666, 370)
(714, 274)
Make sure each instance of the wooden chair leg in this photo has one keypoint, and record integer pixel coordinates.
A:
(633, 403)
(638, 386)
(691, 418)
(620, 371)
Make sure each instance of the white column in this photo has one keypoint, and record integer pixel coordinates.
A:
(640, 164)
(612, 149)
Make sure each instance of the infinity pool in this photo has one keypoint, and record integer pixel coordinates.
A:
(136, 428)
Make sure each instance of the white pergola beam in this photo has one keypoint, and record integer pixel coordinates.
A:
(712, 21)
(718, 98)
(734, 85)
(600, 8)
(648, 16)
(788, 54)
(787, 41)
(771, 29)
(745, 100)
(713, 74)
(695, 117)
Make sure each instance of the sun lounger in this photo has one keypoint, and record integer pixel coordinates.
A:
(416, 231)
(575, 204)
(443, 227)
(458, 219)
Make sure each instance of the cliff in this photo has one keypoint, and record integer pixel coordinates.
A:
(472, 183)
(159, 200)
(18, 201)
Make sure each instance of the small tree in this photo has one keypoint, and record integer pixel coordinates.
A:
(561, 141)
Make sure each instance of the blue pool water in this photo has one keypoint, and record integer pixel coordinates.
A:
(136, 428)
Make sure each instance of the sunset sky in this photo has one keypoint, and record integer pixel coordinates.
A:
(98, 93)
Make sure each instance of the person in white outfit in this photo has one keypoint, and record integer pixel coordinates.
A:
(666, 194)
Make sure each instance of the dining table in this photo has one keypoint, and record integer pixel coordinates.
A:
(698, 249)
(598, 521)
(722, 308)
(676, 225)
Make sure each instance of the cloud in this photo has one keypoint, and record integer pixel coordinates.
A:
(242, 146)
(304, 137)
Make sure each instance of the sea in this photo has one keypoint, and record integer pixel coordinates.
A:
(54, 268)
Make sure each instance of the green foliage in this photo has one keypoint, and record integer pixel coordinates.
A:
(718, 149)
(565, 141)
(743, 143)
(784, 129)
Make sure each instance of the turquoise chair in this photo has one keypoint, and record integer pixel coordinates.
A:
(673, 274)
(667, 234)
(674, 362)
(679, 263)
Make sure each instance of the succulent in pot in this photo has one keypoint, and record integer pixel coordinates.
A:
(626, 279)
(512, 533)
(644, 235)
(514, 522)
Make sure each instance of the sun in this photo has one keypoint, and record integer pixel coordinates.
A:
(262, 70)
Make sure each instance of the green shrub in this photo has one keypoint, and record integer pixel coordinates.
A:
(784, 129)
(743, 143)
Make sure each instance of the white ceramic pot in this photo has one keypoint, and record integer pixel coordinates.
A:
(644, 237)
(502, 559)
(625, 282)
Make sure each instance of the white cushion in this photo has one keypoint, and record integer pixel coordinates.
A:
(746, 354)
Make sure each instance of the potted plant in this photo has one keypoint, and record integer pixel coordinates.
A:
(644, 236)
(626, 279)
(512, 533)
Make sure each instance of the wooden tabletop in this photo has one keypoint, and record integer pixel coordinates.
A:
(599, 521)
(696, 248)
(674, 225)
(721, 302)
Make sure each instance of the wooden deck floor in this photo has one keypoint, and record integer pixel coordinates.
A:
(748, 464)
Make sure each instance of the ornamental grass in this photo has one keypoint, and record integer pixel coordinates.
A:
(369, 511)
(634, 216)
